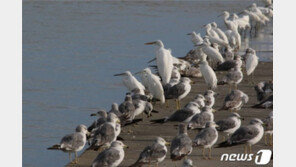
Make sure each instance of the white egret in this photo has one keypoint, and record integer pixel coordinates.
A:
(242, 22)
(195, 38)
(154, 85)
(130, 82)
(267, 11)
(211, 52)
(208, 74)
(251, 60)
(210, 31)
(229, 24)
(258, 12)
(164, 61)
(214, 37)
(219, 32)
(234, 39)
(255, 20)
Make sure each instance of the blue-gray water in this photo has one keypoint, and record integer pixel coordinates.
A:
(71, 49)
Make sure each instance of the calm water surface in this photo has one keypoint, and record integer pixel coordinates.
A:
(71, 49)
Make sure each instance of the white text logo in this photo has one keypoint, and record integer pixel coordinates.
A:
(262, 157)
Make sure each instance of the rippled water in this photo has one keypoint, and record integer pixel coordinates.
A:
(71, 49)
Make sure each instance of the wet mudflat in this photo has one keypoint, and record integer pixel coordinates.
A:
(145, 132)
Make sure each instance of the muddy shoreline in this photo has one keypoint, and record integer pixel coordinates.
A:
(144, 132)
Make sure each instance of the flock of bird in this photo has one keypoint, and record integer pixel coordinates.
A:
(216, 51)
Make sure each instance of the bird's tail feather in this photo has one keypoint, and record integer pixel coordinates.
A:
(225, 144)
(133, 122)
(55, 147)
(162, 120)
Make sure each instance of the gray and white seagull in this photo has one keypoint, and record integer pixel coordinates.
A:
(232, 78)
(199, 121)
(229, 125)
(153, 154)
(235, 100)
(206, 138)
(181, 145)
(248, 135)
(229, 64)
(110, 157)
(102, 118)
(72, 143)
(210, 98)
(106, 133)
(127, 110)
(183, 115)
(178, 91)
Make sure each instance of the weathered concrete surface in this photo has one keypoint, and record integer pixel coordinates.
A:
(144, 133)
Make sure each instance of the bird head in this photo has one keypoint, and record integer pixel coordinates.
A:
(234, 114)
(256, 121)
(83, 129)
(156, 43)
(118, 144)
(161, 141)
(214, 24)
(113, 118)
(225, 14)
(114, 106)
(211, 124)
